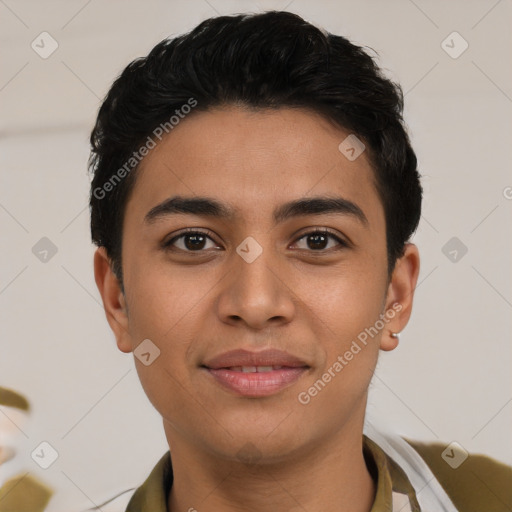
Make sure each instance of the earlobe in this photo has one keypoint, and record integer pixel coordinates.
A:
(114, 302)
(389, 341)
(400, 295)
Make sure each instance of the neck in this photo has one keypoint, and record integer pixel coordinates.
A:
(332, 477)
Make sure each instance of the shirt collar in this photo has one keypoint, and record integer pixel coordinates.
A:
(391, 481)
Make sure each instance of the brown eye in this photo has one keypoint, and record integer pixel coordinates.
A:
(190, 241)
(319, 240)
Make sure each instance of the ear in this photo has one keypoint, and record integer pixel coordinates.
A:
(400, 295)
(113, 298)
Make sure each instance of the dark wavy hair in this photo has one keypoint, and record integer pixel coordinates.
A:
(261, 61)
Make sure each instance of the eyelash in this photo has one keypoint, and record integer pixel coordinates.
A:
(192, 231)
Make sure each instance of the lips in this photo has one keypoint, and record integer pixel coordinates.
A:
(252, 369)
(255, 374)
(246, 358)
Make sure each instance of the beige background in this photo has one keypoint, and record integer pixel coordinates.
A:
(450, 377)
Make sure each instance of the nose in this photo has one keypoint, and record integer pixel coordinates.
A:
(258, 293)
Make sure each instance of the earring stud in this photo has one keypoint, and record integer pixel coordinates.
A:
(395, 335)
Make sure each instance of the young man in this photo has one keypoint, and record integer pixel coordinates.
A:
(253, 198)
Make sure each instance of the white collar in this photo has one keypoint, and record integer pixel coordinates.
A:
(429, 492)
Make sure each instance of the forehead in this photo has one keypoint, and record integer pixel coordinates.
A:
(253, 159)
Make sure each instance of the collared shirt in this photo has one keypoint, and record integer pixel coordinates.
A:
(484, 485)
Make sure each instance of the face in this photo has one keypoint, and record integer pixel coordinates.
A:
(283, 262)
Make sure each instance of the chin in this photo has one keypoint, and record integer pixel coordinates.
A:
(263, 446)
(259, 452)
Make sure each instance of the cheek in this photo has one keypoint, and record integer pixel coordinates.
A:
(343, 307)
(342, 310)
(343, 301)
(164, 301)
(165, 379)
(167, 307)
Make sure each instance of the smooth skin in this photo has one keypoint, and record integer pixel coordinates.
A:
(229, 452)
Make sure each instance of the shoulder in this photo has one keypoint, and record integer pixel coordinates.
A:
(474, 482)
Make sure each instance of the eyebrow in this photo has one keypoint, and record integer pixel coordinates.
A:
(209, 207)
